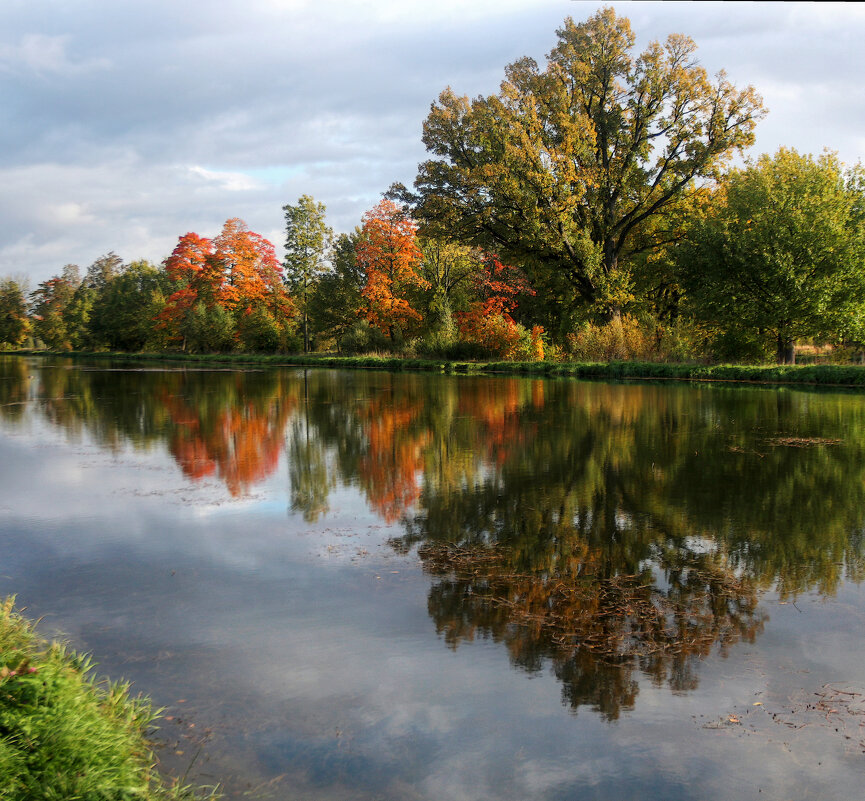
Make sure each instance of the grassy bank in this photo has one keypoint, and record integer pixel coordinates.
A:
(812, 374)
(65, 735)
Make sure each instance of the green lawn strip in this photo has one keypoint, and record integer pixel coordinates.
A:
(823, 374)
(65, 734)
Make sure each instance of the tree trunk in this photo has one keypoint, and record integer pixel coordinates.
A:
(786, 352)
(613, 312)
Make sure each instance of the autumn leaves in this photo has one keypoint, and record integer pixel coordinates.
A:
(226, 288)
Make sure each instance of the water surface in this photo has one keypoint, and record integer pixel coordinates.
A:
(374, 586)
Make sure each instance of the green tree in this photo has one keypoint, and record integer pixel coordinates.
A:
(563, 170)
(123, 315)
(208, 329)
(451, 270)
(48, 306)
(79, 312)
(781, 253)
(334, 305)
(308, 241)
(14, 323)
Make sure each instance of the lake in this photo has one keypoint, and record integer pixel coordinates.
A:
(352, 584)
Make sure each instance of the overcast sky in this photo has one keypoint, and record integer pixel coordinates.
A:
(127, 124)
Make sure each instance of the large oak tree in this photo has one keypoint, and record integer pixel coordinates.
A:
(567, 168)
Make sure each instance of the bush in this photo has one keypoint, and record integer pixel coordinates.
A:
(627, 339)
(363, 338)
(258, 332)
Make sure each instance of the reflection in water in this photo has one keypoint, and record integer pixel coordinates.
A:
(611, 532)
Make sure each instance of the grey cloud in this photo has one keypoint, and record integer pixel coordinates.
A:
(111, 108)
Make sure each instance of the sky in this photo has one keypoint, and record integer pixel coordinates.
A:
(127, 124)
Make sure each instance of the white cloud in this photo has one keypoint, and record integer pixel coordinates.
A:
(107, 106)
(45, 56)
(229, 181)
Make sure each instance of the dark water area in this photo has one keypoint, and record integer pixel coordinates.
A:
(387, 586)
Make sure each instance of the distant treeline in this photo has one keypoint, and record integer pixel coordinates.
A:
(585, 212)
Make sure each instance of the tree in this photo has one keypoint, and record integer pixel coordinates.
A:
(221, 281)
(563, 170)
(14, 324)
(488, 322)
(196, 277)
(250, 271)
(78, 314)
(48, 304)
(390, 257)
(781, 252)
(450, 269)
(125, 311)
(308, 240)
(336, 299)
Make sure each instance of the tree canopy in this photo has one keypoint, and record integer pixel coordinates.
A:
(781, 251)
(564, 168)
(308, 241)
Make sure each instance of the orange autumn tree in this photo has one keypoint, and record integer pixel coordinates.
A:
(229, 290)
(253, 288)
(389, 255)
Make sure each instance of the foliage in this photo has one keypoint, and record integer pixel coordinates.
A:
(64, 734)
(450, 271)
(627, 338)
(48, 305)
(258, 332)
(208, 329)
(537, 343)
(336, 299)
(124, 313)
(14, 323)
(390, 257)
(217, 282)
(364, 338)
(781, 252)
(488, 323)
(308, 240)
(564, 168)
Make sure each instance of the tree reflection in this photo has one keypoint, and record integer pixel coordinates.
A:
(630, 530)
(226, 424)
(236, 433)
(614, 534)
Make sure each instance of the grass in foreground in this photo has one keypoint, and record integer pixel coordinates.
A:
(64, 735)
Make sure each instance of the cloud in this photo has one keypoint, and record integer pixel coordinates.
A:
(45, 56)
(155, 119)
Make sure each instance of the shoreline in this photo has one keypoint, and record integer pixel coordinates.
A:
(826, 375)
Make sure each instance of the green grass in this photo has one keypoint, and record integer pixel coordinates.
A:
(64, 735)
(809, 374)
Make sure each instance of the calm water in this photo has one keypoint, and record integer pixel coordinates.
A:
(371, 586)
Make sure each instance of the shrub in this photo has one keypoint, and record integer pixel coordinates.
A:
(497, 335)
(627, 339)
(363, 338)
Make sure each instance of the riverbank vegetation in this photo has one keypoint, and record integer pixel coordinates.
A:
(65, 734)
(590, 211)
(838, 375)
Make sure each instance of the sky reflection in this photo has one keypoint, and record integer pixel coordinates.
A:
(299, 612)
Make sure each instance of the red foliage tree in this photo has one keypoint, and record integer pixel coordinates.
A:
(488, 321)
(238, 270)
